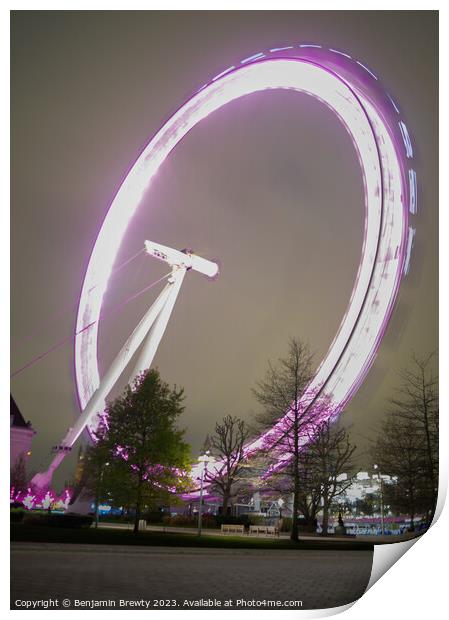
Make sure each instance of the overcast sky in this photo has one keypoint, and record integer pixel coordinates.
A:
(270, 185)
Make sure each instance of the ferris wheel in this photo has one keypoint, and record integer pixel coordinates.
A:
(385, 154)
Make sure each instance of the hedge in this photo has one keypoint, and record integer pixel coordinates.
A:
(70, 520)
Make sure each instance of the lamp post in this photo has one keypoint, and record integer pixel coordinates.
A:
(382, 514)
(204, 459)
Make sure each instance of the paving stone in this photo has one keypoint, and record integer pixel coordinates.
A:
(95, 572)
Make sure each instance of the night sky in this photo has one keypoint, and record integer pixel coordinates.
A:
(270, 185)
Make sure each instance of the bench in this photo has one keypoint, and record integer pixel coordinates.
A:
(228, 528)
(266, 530)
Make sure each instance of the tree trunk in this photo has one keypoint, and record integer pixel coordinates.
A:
(412, 512)
(325, 523)
(225, 504)
(431, 473)
(97, 508)
(295, 533)
(138, 502)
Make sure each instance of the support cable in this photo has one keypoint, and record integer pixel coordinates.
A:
(113, 310)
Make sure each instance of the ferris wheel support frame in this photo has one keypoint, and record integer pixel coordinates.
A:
(149, 331)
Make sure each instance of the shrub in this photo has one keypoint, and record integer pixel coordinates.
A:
(229, 520)
(208, 520)
(179, 521)
(155, 516)
(258, 519)
(304, 526)
(70, 520)
(16, 515)
(117, 518)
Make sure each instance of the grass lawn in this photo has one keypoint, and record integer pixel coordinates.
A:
(40, 533)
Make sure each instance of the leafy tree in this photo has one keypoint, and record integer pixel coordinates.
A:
(95, 476)
(147, 455)
(226, 445)
(280, 394)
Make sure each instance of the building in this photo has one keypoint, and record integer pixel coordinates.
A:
(21, 435)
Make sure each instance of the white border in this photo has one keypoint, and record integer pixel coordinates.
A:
(416, 586)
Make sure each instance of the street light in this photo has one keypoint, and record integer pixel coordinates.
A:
(204, 459)
(382, 515)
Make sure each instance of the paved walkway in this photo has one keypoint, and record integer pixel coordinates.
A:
(144, 576)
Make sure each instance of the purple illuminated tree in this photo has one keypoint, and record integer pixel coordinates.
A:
(145, 451)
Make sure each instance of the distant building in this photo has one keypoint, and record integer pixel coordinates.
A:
(21, 435)
(364, 484)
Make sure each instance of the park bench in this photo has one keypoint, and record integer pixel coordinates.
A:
(228, 528)
(266, 530)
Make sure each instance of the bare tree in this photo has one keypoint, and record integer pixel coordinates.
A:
(416, 406)
(280, 394)
(227, 446)
(309, 495)
(331, 454)
(321, 463)
(399, 453)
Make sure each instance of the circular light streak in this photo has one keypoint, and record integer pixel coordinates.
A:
(382, 142)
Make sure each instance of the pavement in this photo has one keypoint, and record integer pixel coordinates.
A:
(72, 576)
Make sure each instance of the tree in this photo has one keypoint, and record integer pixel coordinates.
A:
(366, 505)
(19, 478)
(331, 455)
(416, 405)
(309, 495)
(280, 395)
(398, 452)
(404, 499)
(321, 463)
(407, 446)
(282, 480)
(227, 446)
(94, 471)
(148, 458)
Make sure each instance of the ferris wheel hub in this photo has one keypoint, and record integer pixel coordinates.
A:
(186, 259)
